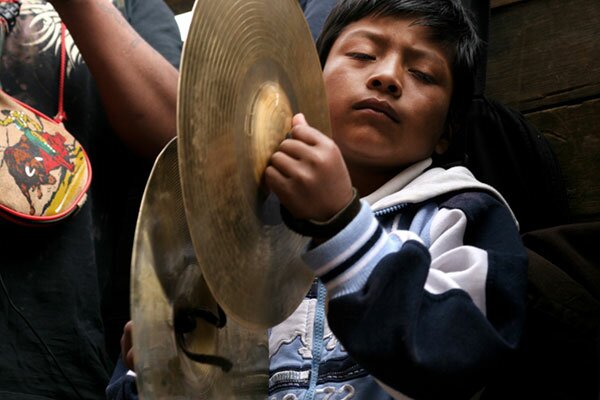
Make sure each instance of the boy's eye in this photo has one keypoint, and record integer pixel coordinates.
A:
(361, 56)
(426, 78)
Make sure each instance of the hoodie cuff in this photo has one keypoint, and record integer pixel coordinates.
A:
(344, 262)
(323, 229)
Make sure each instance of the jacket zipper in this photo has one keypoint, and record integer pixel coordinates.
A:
(390, 210)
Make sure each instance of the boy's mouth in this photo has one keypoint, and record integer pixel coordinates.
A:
(380, 106)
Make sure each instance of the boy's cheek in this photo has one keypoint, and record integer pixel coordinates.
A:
(335, 74)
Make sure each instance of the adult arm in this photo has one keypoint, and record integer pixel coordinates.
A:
(138, 86)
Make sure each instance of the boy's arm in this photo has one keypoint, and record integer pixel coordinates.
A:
(431, 311)
(138, 86)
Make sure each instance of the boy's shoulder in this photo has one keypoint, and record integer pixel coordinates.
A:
(420, 184)
(506, 151)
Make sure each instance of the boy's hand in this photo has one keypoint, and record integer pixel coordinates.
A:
(127, 346)
(308, 174)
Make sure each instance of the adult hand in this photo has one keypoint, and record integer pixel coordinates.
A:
(308, 174)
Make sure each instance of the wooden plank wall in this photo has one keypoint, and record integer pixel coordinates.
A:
(544, 60)
(180, 6)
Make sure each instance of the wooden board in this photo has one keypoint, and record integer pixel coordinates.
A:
(180, 6)
(544, 53)
(574, 136)
(500, 3)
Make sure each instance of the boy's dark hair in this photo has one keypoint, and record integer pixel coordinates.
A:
(450, 24)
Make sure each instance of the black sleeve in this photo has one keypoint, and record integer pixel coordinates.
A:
(155, 22)
(439, 345)
(316, 12)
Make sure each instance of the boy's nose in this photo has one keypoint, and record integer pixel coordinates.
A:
(385, 81)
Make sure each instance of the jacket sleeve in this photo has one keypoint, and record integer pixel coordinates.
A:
(431, 310)
(316, 12)
(122, 385)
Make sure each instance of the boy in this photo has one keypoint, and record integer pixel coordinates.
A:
(426, 274)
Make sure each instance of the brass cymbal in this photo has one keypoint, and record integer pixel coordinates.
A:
(247, 67)
(175, 318)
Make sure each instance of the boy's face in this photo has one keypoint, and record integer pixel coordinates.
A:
(388, 88)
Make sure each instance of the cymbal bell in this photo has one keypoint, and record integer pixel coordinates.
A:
(247, 68)
(184, 346)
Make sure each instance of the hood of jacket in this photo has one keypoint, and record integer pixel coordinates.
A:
(417, 183)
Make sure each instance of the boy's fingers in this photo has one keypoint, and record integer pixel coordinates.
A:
(276, 181)
(295, 148)
(126, 341)
(307, 134)
(301, 130)
(129, 362)
(127, 345)
(299, 119)
(283, 163)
